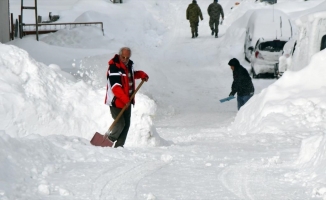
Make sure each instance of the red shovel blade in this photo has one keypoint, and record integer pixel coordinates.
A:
(99, 140)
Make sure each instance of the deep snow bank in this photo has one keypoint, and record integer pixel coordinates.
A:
(39, 99)
(312, 160)
(26, 162)
(29, 164)
(294, 102)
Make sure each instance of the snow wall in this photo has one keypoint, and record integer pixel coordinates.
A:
(44, 100)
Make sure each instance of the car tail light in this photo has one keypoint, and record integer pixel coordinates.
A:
(258, 55)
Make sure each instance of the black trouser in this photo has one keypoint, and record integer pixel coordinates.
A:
(213, 23)
(120, 130)
(194, 27)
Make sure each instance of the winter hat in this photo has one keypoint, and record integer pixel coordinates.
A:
(194, 1)
(215, 0)
(234, 62)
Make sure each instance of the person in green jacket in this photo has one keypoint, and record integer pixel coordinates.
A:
(214, 11)
(193, 15)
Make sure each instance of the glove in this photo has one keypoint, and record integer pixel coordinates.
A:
(145, 78)
(231, 94)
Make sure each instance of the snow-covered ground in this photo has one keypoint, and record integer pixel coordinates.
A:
(183, 144)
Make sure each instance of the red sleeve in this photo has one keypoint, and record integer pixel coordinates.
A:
(140, 75)
(118, 92)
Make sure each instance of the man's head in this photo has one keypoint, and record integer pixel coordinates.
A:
(234, 63)
(125, 54)
(216, 1)
(194, 1)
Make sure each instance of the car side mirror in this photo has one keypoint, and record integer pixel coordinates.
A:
(250, 48)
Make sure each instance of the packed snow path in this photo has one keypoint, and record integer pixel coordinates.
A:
(202, 158)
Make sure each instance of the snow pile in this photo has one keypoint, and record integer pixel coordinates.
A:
(25, 164)
(39, 99)
(269, 24)
(312, 160)
(81, 37)
(321, 6)
(142, 130)
(28, 164)
(293, 103)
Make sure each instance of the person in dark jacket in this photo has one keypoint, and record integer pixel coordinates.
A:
(242, 83)
(215, 10)
(121, 77)
(193, 15)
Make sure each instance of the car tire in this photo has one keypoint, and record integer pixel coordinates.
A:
(276, 72)
(247, 58)
(245, 55)
(254, 75)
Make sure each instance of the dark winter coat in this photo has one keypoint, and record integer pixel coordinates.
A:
(194, 12)
(242, 83)
(214, 11)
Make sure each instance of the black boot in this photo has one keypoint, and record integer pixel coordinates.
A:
(216, 36)
(193, 35)
(212, 31)
(196, 32)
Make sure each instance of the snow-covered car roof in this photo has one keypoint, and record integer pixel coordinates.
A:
(270, 24)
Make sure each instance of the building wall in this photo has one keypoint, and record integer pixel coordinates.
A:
(4, 21)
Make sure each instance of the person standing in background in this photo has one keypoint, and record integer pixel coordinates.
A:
(193, 15)
(214, 11)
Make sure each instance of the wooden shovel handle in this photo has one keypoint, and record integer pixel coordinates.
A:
(126, 106)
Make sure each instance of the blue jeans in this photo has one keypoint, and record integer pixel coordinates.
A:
(242, 100)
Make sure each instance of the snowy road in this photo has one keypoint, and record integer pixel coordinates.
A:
(217, 166)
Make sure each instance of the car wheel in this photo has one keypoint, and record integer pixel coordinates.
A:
(254, 75)
(276, 73)
(247, 58)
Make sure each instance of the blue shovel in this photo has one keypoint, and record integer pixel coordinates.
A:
(227, 99)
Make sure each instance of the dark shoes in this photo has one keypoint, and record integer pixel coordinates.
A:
(212, 32)
(194, 34)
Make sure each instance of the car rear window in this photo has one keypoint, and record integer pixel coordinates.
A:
(272, 46)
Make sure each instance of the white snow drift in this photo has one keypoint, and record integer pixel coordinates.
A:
(39, 99)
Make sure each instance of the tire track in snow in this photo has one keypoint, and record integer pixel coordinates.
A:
(249, 181)
(111, 186)
(235, 180)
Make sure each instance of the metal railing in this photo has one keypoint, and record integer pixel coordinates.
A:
(116, 1)
(43, 28)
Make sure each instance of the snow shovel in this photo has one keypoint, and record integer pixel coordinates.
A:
(227, 99)
(102, 140)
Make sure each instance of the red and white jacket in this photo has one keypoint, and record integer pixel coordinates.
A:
(117, 90)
